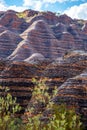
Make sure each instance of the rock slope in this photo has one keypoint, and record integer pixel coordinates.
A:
(40, 39)
(47, 33)
(8, 42)
(66, 67)
(18, 77)
(74, 93)
(37, 44)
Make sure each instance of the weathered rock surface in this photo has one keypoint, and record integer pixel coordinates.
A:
(47, 33)
(23, 51)
(18, 77)
(69, 66)
(74, 93)
(35, 58)
(8, 42)
(10, 20)
(39, 44)
(40, 39)
(65, 19)
(55, 35)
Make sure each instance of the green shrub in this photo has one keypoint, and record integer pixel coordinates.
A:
(21, 15)
(42, 113)
(8, 108)
(61, 119)
(57, 117)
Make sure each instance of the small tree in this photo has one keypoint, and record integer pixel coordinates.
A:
(8, 108)
(49, 116)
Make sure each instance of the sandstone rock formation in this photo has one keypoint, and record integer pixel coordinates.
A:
(10, 19)
(74, 93)
(70, 75)
(23, 51)
(69, 66)
(40, 39)
(65, 19)
(35, 58)
(18, 77)
(8, 42)
(38, 45)
(47, 33)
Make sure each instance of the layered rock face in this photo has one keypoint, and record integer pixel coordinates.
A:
(40, 39)
(63, 68)
(10, 20)
(18, 77)
(51, 42)
(37, 44)
(74, 93)
(41, 32)
(73, 88)
(35, 58)
(8, 42)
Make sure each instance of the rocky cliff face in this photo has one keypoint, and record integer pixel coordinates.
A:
(10, 20)
(39, 38)
(74, 93)
(41, 44)
(63, 68)
(18, 77)
(8, 42)
(72, 90)
(40, 32)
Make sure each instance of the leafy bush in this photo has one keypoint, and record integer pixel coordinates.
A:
(50, 116)
(42, 114)
(8, 108)
(21, 15)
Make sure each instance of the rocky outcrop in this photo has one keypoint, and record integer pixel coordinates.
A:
(23, 51)
(18, 77)
(38, 45)
(3, 64)
(2, 13)
(47, 33)
(65, 19)
(61, 69)
(62, 73)
(64, 33)
(74, 93)
(84, 28)
(35, 58)
(2, 28)
(10, 20)
(70, 76)
(49, 17)
(8, 42)
(40, 39)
